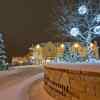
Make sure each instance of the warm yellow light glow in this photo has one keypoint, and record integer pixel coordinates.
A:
(20, 62)
(62, 45)
(48, 60)
(37, 46)
(76, 45)
(91, 45)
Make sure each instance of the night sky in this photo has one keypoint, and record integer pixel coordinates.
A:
(24, 22)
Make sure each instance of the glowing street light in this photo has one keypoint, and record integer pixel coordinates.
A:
(62, 45)
(76, 45)
(37, 46)
(91, 45)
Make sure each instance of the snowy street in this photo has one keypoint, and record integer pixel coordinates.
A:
(14, 86)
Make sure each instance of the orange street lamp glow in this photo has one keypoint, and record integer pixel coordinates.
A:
(62, 45)
(37, 46)
(76, 45)
(91, 45)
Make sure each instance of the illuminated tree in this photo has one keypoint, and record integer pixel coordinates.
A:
(80, 21)
(3, 57)
(67, 54)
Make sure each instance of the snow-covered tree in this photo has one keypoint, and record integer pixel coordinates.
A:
(67, 54)
(3, 56)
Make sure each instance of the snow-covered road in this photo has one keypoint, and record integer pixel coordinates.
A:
(14, 86)
(19, 91)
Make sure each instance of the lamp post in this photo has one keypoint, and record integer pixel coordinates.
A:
(62, 48)
(37, 46)
(38, 53)
(76, 46)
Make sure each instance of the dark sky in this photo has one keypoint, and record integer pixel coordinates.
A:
(24, 15)
(24, 21)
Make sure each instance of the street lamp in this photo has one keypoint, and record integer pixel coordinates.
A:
(37, 53)
(91, 45)
(37, 46)
(76, 45)
(62, 46)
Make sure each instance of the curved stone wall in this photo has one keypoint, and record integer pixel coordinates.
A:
(73, 82)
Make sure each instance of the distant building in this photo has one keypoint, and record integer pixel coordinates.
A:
(47, 52)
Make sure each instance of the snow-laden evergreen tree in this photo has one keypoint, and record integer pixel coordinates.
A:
(3, 56)
(67, 54)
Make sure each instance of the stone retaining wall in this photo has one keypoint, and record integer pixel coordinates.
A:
(71, 84)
